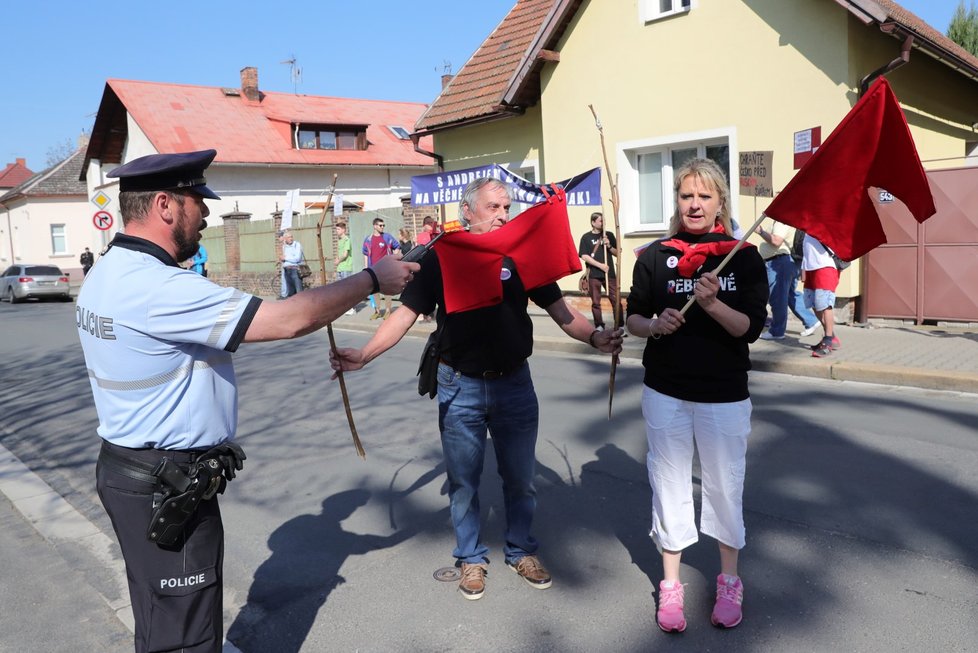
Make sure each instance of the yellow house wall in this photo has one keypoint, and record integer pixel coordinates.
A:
(758, 69)
(513, 142)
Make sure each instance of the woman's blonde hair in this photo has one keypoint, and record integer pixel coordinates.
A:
(708, 172)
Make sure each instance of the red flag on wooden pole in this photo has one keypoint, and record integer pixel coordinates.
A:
(538, 241)
(871, 147)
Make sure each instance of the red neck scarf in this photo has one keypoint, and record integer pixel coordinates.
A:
(693, 255)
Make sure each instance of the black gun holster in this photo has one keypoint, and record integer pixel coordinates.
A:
(177, 496)
(178, 493)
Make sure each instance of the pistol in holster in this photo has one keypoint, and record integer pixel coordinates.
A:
(179, 493)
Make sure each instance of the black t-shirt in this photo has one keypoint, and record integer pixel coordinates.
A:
(498, 337)
(701, 361)
(587, 246)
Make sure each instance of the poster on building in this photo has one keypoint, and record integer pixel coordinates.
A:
(583, 189)
(806, 142)
(755, 174)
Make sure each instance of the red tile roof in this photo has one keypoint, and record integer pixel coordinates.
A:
(15, 174)
(502, 77)
(481, 84)
(180, 117)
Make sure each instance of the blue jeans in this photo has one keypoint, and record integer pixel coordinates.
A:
(507, 408)
(293, 282)
(796, 300)
(779, 271)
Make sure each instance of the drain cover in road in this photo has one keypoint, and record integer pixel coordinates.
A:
(447, 574)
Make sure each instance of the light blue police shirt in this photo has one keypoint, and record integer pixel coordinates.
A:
(157, 341)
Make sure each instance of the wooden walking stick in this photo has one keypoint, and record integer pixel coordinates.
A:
(612, 267)
(329, 327)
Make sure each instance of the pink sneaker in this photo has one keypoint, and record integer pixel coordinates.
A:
(670, 614)
(730, 594)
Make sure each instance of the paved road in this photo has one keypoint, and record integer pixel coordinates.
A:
(860, 510)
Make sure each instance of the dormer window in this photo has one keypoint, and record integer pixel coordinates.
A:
(331, 137)
(400, 132)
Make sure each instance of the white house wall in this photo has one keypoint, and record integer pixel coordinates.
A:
(30, 230)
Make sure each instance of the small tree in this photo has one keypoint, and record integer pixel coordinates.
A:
(963, 28)
(60, 152)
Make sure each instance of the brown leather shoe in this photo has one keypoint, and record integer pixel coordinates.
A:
(473, 583)
(532, 571)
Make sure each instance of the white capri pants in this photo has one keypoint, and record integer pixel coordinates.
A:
(720, 431)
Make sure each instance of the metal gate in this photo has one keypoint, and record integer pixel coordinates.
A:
(928, 271)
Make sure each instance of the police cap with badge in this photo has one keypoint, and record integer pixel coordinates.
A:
(154, 172)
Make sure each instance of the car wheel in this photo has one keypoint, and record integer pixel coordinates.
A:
(66, 297)
(11, 297)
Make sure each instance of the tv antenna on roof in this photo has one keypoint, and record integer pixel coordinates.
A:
(295, 73)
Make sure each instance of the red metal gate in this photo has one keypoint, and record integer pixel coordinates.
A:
(928, 271)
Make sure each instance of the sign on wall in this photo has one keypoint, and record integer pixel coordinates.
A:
(755, 174)
(806, 142)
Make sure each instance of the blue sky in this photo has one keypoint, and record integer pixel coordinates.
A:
(59, 54)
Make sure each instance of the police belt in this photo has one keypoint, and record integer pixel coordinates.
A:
(180, 480)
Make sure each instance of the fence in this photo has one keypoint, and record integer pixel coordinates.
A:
(246, 253)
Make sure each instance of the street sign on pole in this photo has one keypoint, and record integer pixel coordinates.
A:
(102, 220)
(101, 200)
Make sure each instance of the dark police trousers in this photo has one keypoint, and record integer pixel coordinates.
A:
(176, 592)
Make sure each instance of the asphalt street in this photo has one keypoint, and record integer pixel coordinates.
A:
(859, 505)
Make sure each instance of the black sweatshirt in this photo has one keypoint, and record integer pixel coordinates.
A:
(700, 361)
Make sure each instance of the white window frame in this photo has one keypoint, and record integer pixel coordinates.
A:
(526, 169)
(628, 178)
(64, 238)
(650, 10)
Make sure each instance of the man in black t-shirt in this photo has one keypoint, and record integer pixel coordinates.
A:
(484, 385)
(599, 249)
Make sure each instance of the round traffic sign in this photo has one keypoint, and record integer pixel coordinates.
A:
(102, 220)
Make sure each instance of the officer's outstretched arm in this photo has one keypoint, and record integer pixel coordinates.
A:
(313, 309)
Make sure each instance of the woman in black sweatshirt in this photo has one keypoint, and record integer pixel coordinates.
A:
(696, 381)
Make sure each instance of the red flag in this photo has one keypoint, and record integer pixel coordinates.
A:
(828, 197)
(538, 240)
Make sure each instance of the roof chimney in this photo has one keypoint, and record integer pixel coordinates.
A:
(445, 79)
(249, 83)
(21, 162)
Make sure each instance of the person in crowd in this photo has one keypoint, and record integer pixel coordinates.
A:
(782, 280)
(599, 249)
(157, 341)
(695, 388)
(343, 262)
(484, 387)
(376, 246)
(292, 258)
(820, 282)
(198, 263)
(404, 240)
(87, 260)
(428, 230)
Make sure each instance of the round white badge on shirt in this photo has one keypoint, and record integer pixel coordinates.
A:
(505, 274)
(672, 261)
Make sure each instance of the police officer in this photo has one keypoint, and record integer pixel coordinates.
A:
(157, 341)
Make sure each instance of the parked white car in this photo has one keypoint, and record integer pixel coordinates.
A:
(22, 281)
